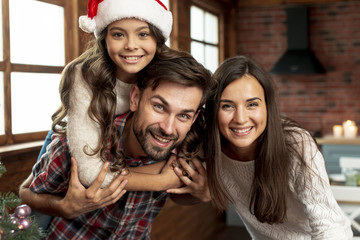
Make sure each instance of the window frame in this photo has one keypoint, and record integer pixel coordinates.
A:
(71, 35)
(217, 10)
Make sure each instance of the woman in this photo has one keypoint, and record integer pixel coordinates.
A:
(266, 165)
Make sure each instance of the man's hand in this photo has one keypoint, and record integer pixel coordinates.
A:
(79, 200)
(195, 180)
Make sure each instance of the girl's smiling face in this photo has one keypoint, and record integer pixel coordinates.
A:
(242, 117)
(131, 46)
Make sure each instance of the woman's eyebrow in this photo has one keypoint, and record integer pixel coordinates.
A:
(253, 99)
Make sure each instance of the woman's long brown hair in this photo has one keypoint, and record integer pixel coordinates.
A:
(275, 148)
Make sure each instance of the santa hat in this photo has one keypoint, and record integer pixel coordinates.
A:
(103, 12)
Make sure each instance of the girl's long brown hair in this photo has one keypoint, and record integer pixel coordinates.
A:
(275, 149)
(98, 71)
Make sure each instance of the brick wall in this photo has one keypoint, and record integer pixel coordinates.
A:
(316, 101)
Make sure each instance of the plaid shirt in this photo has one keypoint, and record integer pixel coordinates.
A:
(129, 218)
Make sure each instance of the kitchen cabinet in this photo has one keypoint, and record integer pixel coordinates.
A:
(334, 148)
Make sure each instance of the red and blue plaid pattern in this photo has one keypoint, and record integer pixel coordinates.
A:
(129, 218)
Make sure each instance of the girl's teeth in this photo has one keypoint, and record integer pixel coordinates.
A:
(132, 58)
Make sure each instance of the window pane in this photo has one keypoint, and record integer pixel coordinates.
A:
(211, 57)
(211, 28)
(1, 34)
(36, 33)
(34, 98)
(2, 119)
(197, 23)
(197, 50)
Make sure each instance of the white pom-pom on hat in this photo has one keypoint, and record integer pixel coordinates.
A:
(87, 24)
(103, 12)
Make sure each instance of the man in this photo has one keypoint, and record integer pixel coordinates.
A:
(165, 108)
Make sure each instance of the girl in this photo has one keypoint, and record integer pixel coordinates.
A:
(266, 165)
(95, 87)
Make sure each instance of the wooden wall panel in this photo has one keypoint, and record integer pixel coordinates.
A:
(18, 168)
(262, 3)
(178, 222)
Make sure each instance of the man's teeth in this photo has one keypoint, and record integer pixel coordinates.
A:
(163, 140)
(241, 130)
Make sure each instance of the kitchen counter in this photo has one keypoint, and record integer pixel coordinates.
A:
(338, 141)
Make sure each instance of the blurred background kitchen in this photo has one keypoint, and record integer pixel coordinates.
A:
(311, 47)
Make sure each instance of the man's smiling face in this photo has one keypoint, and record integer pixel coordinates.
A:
(163, 116)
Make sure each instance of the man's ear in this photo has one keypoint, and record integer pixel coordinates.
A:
(134, 98)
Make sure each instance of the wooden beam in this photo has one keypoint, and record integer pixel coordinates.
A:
(20, 148)
(71, 30)
(262, 3)
(7, 70)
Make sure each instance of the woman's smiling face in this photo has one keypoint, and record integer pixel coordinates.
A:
(242, 116)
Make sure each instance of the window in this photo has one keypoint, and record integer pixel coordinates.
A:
(204, 32)
(34, 45)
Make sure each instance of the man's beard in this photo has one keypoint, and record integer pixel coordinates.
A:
(156, 153)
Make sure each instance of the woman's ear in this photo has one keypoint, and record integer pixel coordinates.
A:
(134, 98)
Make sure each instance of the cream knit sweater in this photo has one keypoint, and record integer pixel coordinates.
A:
(311, 214)
(82, 130)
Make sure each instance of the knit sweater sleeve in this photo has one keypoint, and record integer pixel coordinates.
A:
(84, 133)
(326, 219)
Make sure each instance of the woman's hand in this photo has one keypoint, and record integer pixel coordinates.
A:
(195, 180)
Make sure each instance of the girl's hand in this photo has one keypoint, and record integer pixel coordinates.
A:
(195, 180)
(167, 174)
(79, 200)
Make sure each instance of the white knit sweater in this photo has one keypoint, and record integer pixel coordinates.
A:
(311, 214)
(82, 130)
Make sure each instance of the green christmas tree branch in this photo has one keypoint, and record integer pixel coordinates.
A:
(9, 229)
(2, 169)
(8, 201)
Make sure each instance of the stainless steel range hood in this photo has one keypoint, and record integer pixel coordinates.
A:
(298, 58)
